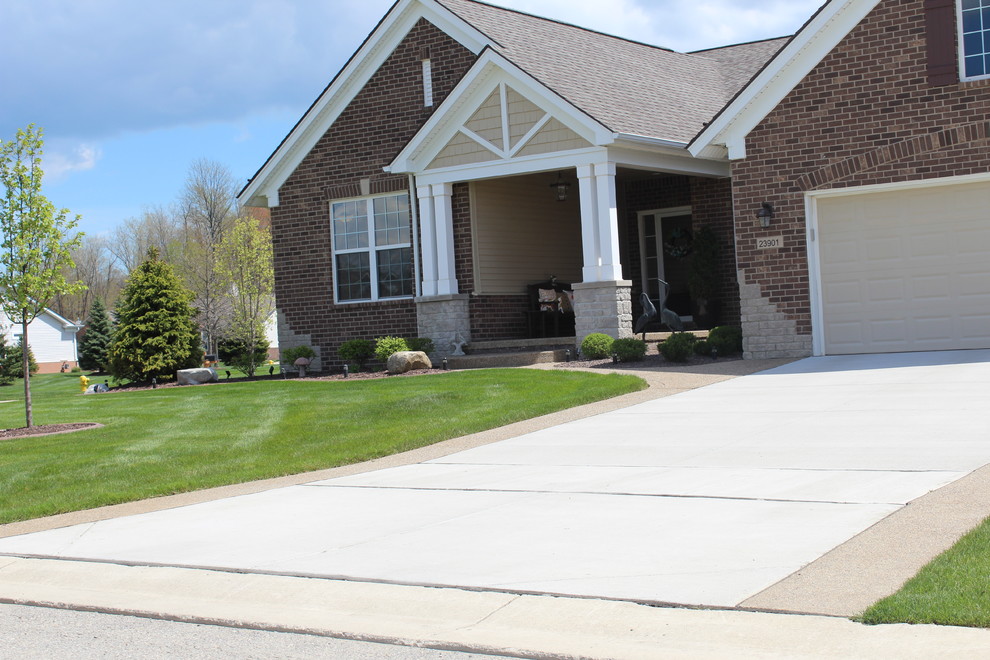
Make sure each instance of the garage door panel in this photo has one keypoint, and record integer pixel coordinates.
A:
(906, 270)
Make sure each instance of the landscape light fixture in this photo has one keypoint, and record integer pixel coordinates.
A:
(560, 187)
(765, 214)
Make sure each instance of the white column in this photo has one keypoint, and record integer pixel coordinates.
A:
(591, 272)
(443, 212)
(427, 228)
(608, 222)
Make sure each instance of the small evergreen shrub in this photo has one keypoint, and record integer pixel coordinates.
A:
(356, 352)
(678, 347)
(726, 339)
(629, 349)
(386, 346)
(424, 344)
(702, 347)
(290, 355)
(596, 346)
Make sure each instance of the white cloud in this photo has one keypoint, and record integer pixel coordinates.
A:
(60, 163)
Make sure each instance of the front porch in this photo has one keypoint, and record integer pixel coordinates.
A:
(510, 234)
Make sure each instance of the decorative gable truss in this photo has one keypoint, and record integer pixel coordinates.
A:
(505, 126)
(499, 121)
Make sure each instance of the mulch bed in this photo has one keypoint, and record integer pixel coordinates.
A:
(652, 360)
(46, 429)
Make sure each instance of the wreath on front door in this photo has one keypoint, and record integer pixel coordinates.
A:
(678, 244)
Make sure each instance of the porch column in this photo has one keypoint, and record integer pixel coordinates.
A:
(591, 272)
(608, 222)
(428, 242)
(443, 213)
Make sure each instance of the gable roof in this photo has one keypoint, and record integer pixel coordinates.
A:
(725, 135)
(628, 87)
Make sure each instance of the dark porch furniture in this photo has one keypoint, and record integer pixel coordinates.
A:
(550, 313)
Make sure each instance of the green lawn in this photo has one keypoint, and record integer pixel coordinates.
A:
(177, 439)
(953, 589)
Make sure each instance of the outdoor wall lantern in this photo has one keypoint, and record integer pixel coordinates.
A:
(765, 214)
(560, 188)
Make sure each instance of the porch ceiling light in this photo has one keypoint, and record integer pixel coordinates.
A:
(560, 188)
(765, 214)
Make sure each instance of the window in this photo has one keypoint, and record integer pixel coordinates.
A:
(974, 38)
(372, 246)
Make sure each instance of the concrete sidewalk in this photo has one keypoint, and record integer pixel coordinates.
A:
(725, 496)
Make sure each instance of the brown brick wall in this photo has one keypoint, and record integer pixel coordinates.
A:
(864, 115)
(366, 137)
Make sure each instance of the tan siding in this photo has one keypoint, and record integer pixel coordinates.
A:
(523, 235)
(461, 150)
(487, 120)
(523, 115)
(553, 137)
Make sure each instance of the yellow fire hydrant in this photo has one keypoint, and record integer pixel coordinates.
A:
(83, 384)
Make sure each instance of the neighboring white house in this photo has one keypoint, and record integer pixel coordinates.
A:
(51, 337)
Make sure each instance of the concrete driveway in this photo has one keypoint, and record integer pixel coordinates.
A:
(703, 498)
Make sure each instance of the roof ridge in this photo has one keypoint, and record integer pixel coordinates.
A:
(559, 22)
(742, 43)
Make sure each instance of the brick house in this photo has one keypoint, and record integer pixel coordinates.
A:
(416, 197)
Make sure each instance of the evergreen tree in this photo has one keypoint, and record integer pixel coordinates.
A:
(95, 344)
(155, 333)
(12, 361)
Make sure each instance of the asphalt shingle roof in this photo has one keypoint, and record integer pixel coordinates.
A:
(627, 86)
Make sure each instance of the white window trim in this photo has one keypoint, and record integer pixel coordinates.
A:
(961, 47)
(372, 249)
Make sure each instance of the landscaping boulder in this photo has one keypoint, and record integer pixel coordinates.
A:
(196, 376)
(403, 361)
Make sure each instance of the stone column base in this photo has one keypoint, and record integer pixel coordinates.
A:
(444, 319)
(604, 307)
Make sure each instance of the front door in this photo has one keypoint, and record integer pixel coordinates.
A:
(665, 245)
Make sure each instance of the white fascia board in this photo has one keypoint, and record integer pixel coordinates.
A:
(495, 169)
(788, 68)
(674, 161)
(263, 188)
(490, 69)
(67, 325)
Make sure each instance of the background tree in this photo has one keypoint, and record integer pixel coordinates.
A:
(99, 269)
(246, 270)
(155, 332)
(207, 210)
(36, 243)
(95, 345)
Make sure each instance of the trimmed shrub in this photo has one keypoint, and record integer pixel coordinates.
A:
(290, 355)
(596, 346)
(424, 344)
(702, 347)
(678, 347)
(386, 346)
(356, 353)
(726, 339)
(235, 352)
(629, 349)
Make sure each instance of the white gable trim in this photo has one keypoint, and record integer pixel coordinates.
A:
(490, 72)
(263, 189)
(726, 134)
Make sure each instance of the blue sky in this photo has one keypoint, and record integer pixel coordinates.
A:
(130, 93)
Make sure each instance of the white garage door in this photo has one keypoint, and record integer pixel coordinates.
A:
(906, 270)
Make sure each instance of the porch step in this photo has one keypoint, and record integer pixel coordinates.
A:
(508, 345)
(505, 359)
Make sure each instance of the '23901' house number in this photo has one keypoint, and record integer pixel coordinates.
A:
(770, 243)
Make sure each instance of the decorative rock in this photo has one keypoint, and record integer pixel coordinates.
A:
(302, 363)
(196, 376)
(403, 361)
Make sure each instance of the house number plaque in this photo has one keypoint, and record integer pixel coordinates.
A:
(770, 243)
